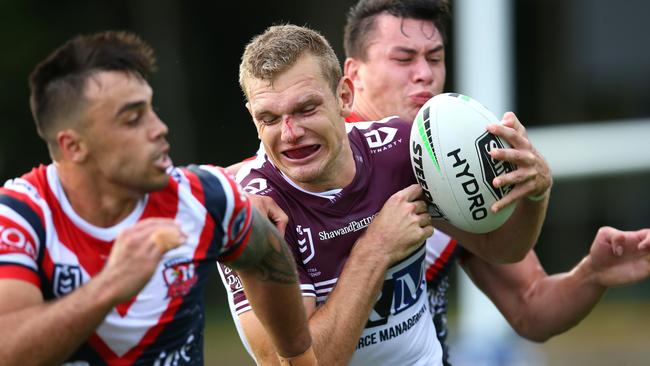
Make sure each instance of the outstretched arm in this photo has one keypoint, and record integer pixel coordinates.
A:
(268, 273)
(57, 328)
(399, 229)
(539, 306)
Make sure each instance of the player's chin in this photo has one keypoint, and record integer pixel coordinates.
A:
(156, 181)
(303, 174)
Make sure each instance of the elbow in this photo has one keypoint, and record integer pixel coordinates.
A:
(507, 256)
(530, 329)
(532, 333)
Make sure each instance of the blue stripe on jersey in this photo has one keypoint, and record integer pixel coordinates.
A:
(215, 202)
(30, 216)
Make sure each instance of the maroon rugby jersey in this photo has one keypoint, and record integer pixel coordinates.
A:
(323, 228)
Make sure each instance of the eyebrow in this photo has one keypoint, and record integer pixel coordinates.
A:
(438, 48)
(300, 104)
(131, 106)
(305, 101)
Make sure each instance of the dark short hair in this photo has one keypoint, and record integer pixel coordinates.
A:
(57, 82)
(361, 17)
(279, 47)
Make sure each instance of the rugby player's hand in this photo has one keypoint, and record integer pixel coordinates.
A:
(532, 178)
(620, 257)
(136, 253)
(267, 207)
(402, 224)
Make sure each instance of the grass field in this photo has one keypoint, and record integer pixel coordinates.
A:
(616, 333)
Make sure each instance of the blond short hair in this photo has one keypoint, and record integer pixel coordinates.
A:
(279, 47)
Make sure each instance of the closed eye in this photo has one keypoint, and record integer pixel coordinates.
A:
(268, 119)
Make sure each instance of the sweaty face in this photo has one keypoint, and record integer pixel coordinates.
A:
(299, 120)
(405, 67)
(124, 136)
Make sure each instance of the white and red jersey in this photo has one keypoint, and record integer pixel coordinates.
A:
(45, 243)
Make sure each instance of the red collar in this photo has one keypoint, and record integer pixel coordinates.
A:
(354, 117)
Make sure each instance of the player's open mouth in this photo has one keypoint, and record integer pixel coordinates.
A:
(163, 161)
(301, 152)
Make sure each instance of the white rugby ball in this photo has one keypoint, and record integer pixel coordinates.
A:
(449, 147)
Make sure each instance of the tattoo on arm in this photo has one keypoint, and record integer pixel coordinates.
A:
(266, 253)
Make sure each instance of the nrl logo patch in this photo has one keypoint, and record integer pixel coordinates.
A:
(66, 279)
(305, 243)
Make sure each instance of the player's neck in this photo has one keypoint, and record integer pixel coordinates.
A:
(97, 202)
(365, 111)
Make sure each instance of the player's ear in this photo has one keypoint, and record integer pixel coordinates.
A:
(351, 70)
(345, 95)
(71, 146)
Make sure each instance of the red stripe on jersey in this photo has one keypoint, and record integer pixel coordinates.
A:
(433, 269)
(148, 339)
(123, 308)
(20, 273)
(90, 251)
(206, 237)
(195, 186)
(232, 256)
(163, 203)
(208, 228)
(104, 351)
(153, 332)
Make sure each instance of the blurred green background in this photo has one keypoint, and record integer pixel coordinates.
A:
(576, 61)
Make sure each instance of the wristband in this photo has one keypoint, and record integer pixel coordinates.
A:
(539, 197)
(307, 358)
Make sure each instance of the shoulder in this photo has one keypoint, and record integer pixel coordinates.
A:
(259, 176)
(212, 185)
(393, 122)
(25, 196)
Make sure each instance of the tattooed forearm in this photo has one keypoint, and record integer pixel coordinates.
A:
(266, 254)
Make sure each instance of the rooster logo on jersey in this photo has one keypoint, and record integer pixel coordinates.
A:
(180, 276)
